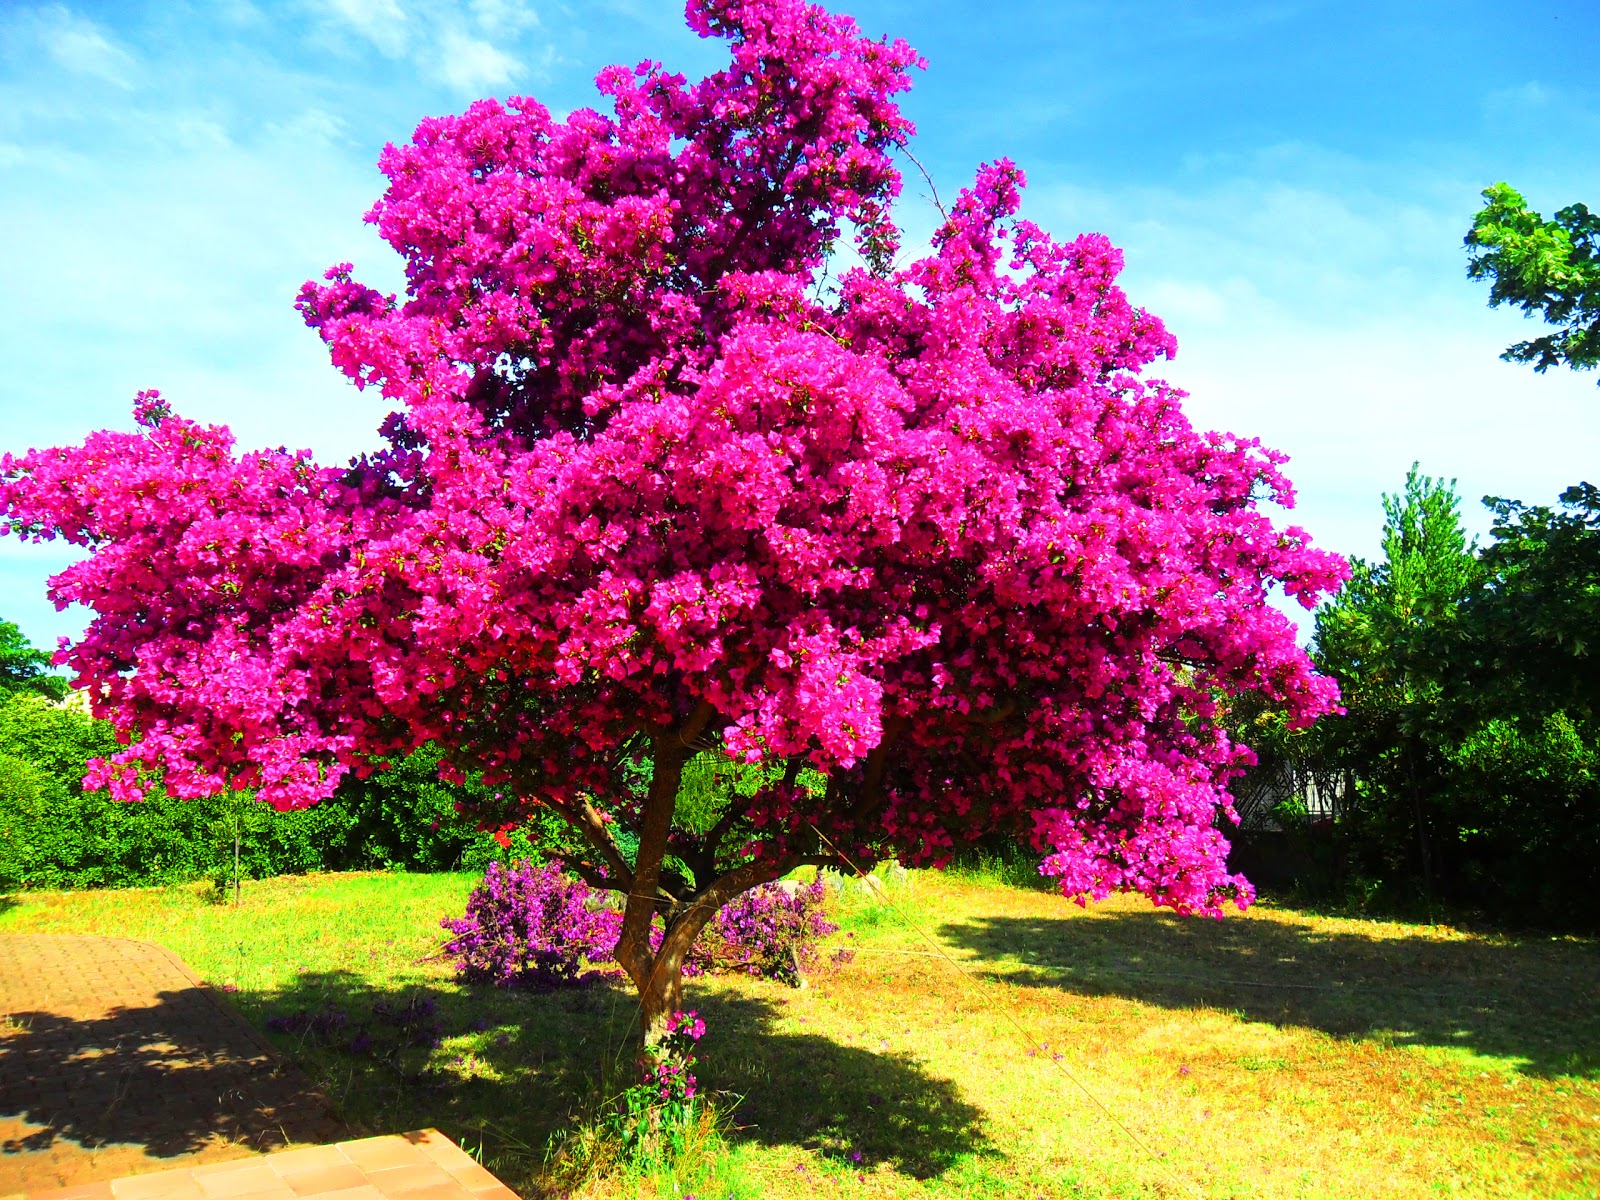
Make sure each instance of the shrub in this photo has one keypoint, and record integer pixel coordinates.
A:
(770, 930)
(530, 927)
(654, 1119)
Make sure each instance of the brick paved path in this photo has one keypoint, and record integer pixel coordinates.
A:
(115, 1060)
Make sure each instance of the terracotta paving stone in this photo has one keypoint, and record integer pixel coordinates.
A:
(398, 1180)
(381, 1153)
(156, 1183)
(471, 1176)
(116, 1061)
(123, 1077)
(424, 1165)
(321, 1180)
(308, 1158)
(222, 1181)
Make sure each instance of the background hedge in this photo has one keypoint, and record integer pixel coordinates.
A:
(53, 834)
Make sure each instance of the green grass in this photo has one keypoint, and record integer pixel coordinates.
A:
(1275, 1054)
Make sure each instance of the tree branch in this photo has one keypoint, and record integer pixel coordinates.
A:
(586, 821)
(694, 724)
(705, 864)
(877, 760)
(937, 203)
(995, 715)
(588, 872)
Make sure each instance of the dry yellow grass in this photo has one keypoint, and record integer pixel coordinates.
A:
(1272, 1054)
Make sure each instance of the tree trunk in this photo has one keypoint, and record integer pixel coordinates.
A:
(1423, 841)
(660, 983)
(658, 975)
(633, 944)
(661, 994)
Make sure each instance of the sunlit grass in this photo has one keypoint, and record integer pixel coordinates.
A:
(1272, 1054)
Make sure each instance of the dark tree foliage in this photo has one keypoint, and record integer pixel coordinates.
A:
(1536, 619)
(55, 834)
(1383, 637)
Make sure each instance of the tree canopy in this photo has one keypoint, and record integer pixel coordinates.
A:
(927, 552)
(1537, 618)
(24, 667)
(1384, 637)
(1547, 268)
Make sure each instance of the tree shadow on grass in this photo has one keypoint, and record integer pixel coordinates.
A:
(800, 1089)
(172, 1078)
(505, 1070)
(1529, 1001)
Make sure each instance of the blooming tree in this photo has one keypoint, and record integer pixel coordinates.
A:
(928, 550)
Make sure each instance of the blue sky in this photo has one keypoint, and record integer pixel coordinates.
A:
(1290, 182)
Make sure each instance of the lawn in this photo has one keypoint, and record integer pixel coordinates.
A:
(1110, 1052)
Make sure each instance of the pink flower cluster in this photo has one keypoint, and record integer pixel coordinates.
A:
(672, 1078)
(940, 537)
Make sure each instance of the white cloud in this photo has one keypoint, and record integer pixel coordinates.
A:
(198, 133)
(381, 22)
(77, 43)
(470, 65)
(504, 17)
(309, 126)
(1183, 301)
(466, 45)
(240, 13)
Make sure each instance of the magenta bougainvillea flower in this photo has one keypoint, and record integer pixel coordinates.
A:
(931, 553)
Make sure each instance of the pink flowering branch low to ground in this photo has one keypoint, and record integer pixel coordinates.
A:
(930, 554)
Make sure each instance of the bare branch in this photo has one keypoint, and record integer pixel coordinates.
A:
(586, 820)
(995, 715)
(588, 872)
(929, 178)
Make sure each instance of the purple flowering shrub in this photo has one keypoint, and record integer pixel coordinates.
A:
(533, 927)
(530, 927)
(324, 1026)
(770, 930)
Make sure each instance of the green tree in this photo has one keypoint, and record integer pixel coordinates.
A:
(1527, 671)
(1543, 267)
(24, 667)
(1471, 730)
(54, 834)
(1535, 621)
(1385, 637)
